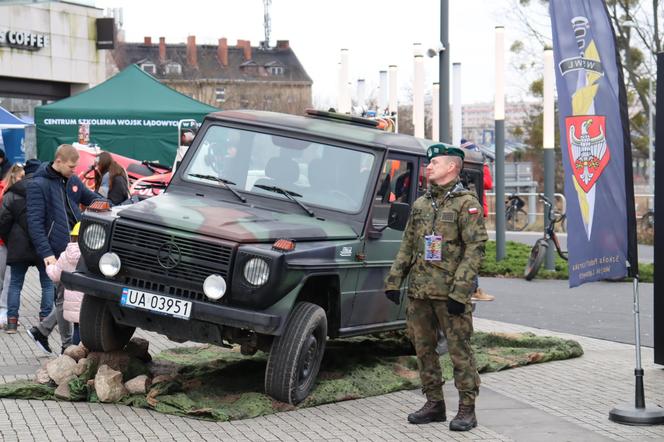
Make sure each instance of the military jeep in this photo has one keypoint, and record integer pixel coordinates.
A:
(275, 234)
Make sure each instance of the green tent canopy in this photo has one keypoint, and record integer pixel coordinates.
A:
(131, 114)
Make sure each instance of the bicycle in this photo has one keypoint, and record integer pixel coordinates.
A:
(515, 217)
(540, 248)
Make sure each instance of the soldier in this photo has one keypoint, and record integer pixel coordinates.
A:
(442, 249)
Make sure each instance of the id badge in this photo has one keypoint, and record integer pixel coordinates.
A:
(433, 246)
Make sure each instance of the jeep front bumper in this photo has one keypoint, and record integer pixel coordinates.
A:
(220, 315)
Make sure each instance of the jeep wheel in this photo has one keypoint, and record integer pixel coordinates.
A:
(295, 356)
(99, 331)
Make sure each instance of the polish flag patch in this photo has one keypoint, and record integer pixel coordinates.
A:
(473, 210)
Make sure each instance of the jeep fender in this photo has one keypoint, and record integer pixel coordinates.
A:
(317, 288)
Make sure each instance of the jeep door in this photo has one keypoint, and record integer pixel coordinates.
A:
(395, 184)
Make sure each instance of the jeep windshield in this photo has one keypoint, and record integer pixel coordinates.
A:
(320, 174)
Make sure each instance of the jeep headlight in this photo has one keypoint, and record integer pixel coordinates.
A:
(94, 236)
(256, 271)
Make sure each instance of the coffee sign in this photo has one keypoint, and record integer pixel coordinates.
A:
(23, 40)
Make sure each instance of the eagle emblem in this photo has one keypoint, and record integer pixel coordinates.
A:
(588, 151)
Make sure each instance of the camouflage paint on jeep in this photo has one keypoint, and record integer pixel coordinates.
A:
(236, 222)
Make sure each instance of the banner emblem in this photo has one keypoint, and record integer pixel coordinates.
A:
(588, 152)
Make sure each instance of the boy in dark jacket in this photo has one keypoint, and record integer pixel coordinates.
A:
(20, 252)
(54, 195)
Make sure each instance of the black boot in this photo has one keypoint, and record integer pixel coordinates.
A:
(465, 419)
(433, 411)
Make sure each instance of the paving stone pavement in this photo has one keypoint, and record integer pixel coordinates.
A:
(556, 401)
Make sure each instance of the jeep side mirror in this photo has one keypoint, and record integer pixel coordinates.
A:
(398, 216)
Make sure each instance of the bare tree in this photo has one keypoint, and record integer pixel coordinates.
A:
(638, 39)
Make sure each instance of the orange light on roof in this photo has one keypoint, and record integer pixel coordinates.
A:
(99, 206)
(285, 245)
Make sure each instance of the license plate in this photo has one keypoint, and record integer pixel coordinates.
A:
(166, 305)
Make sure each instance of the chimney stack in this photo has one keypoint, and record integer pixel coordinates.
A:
(162, 50)
(222, 52)
(147, 41)
(192, 60)
(247, 50)
(245, 45)
(282, 44)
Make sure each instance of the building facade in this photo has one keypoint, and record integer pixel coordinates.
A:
(227, 77)
(49, 50)
(478, 120)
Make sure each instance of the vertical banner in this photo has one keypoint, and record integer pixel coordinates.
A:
(595, 143)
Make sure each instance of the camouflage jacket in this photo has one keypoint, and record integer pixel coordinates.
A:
(458, 218)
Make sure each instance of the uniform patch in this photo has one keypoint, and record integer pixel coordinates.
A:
(74, 188)
(473, 210)
(448, 216)
(346, 251)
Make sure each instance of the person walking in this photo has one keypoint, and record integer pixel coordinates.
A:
(487, 184)
(15, 174)
(20, 252)
(53, 196)
(442, 249)
(72, 299)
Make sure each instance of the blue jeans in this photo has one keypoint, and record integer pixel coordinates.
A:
(18, 271)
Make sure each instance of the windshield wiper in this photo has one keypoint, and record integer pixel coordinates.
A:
(225, 182)
(288, 194)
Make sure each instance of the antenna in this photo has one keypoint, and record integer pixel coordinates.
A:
(267, 22)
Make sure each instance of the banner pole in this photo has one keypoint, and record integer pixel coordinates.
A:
(638, 414)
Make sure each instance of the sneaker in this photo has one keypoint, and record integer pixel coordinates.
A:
(40, 340)
(12, 325)
(481, 295)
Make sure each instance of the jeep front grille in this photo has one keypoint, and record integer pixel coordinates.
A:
(146, 250)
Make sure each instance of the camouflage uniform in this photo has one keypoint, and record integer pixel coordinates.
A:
(458, 218)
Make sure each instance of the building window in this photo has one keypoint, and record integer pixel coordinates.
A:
(173, 69)
(275, 70)
(220, 95)
(150, 68)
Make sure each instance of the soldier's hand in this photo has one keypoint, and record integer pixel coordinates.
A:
(394, 296)
(455, 307)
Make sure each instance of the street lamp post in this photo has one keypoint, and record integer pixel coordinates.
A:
(444, 75)
(548, 142)
(499, 116)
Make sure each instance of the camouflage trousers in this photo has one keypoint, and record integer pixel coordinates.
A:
(424, 318)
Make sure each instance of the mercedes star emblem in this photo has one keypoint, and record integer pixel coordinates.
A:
(168, 255)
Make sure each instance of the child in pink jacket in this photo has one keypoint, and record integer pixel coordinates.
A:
(72, 299)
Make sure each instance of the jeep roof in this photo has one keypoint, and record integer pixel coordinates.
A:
(334, 127)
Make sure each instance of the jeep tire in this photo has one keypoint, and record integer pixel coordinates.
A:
(296, 355)
(99, 331)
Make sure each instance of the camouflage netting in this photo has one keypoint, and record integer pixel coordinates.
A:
(213, 383)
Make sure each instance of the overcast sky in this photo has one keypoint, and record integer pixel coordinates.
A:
(376, 34)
